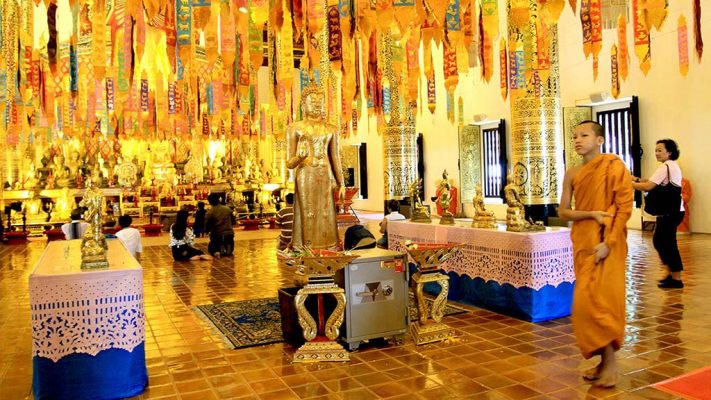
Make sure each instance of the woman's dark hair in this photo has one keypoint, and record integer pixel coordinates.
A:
(671, 147)
(181, 224)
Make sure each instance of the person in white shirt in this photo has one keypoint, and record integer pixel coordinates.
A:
(130, 237)
(76, 228)
(394, 215)
(666, 152)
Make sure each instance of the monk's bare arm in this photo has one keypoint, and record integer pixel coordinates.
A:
(565, 211)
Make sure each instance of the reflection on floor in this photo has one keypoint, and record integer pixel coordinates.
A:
(495, 357)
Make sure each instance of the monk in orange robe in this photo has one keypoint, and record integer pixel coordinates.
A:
(603, 204)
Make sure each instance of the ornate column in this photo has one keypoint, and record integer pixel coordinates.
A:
(536, 135)
(399, 136)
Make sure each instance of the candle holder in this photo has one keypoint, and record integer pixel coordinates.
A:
(318, 268)
(429, 257)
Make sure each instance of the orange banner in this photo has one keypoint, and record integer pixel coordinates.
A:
(503, 71)
(683, 45)
(587, 27)
(641, 38)
(623, 57)
(614, 73)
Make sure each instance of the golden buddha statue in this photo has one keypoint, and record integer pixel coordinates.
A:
(93, 243)
(482, 217)
(313, 154)
(61, 171)
(418, 212)
(516, 213)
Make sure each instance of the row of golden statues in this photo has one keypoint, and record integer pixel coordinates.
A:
(516, 220)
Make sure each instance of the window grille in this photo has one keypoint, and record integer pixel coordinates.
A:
(493, 169)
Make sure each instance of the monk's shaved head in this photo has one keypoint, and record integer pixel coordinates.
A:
(598, 129)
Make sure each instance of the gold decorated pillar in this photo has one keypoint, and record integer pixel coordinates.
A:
(536, 116)
(399, 136)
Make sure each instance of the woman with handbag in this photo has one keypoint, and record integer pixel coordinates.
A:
(664, 200)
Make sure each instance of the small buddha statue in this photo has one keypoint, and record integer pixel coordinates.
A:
(516, 213)
(482, 217)
(61, 171)
(418, 213)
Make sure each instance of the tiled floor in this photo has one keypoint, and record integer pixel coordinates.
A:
(495, 357)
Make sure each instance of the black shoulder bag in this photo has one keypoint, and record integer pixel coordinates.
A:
(663, 199)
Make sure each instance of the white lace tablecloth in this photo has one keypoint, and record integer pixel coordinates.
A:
(531, 260)
(75, 311)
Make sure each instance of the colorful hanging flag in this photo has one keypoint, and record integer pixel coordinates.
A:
(586, 24)
(335, 52)
(641, 38)
(450, 107)
(623, 58)
(451, 72)
(596, 24)
(431, 94)
(503, 72)
(683, 46)
(573, 3)
(52, 41)
(615, 79)
(460, 111)
(656, 13)
(698, 40)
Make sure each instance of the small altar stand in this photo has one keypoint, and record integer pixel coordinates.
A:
(88, 334)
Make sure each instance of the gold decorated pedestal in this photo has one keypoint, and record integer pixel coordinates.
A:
(429, 257)
(320, 335)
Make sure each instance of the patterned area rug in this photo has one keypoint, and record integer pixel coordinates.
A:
(257, 322)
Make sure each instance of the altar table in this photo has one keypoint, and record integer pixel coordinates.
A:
(87, 326)
(528, 275)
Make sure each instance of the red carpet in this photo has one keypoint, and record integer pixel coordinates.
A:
(694, 385)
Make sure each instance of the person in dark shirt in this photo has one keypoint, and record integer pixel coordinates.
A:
(199, 219)
(218, 223)
(285, 219)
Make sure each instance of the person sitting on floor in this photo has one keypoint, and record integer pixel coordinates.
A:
(76, 228)
(218, 223)
(394, 215)
(130, 237)
(181, 240)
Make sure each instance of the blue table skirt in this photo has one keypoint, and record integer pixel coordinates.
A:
(111, 374)
(523, 303)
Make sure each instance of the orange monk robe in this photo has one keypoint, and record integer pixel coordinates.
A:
(603, 184)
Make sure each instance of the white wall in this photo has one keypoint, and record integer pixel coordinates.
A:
(670, 105)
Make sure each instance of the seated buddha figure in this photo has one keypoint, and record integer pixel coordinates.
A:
(482, 217)
(61, 171)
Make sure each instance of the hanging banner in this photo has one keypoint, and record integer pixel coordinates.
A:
(586, 24)
(573, 3)
(405, 12)
(52, 41)
(431, 94)
(335, 53)
(503, 71)
(109, 94)
(623, 58)
(450, 107)
(451, 72)
(614, 76)
(183, 25)
(460, 110)
(683, 46)
(641, 38)
(698, 40)
(656, 13)
(144, 95)
(596, 24)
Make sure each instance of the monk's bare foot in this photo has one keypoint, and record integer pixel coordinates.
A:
(608, 378)
(593, 373)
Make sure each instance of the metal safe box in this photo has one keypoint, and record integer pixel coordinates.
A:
(376, 296)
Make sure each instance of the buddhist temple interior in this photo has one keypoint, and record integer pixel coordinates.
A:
(462, 112)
